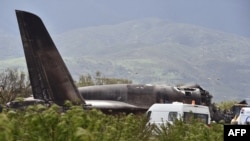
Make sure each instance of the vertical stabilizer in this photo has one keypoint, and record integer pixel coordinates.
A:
(49, 76)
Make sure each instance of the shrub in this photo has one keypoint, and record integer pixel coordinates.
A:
(40, 123)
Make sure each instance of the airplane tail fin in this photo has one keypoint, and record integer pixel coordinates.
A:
(49, 76)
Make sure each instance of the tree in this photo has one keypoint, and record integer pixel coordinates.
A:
(102, 80)
(226, 105)
(85, 80)
(99, 79)
(12, 84)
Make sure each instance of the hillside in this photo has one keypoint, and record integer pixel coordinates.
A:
(152, 51)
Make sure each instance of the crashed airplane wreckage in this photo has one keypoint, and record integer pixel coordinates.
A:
(51, 80)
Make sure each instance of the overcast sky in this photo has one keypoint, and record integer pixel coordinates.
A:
(231, 16)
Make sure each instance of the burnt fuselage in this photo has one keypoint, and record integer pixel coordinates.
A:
(144, 95)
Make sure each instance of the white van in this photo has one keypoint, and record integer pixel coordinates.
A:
(244, 116)
(161, 113)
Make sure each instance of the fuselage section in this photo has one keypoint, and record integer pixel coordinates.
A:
(145, 95)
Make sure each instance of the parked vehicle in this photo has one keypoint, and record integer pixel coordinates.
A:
(162, 113)
(244, 116)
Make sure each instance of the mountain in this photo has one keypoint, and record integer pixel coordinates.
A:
(152, 51)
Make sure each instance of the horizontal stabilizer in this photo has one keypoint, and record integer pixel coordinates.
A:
(108, 106)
